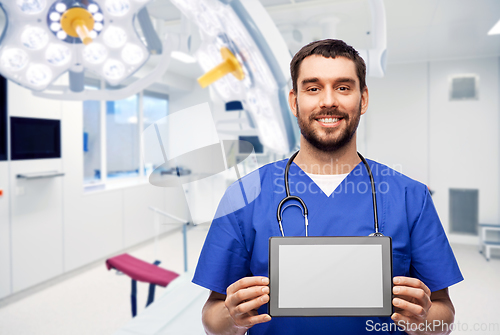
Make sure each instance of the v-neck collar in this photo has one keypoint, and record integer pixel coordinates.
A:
(302, 173)
(309, 190)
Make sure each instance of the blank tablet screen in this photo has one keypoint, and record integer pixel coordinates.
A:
(331, 279)
(330, 276)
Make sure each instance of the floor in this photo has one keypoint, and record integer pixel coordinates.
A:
(477, 298)
(96, 301)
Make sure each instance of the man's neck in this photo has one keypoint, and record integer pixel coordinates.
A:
(313, 160)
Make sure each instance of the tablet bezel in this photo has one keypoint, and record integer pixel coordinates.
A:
(384, 241)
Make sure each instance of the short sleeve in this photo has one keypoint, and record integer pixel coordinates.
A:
(432, 259)
(224, 258)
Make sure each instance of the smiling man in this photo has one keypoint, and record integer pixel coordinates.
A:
(329, 96)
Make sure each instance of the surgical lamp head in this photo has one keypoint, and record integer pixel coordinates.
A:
(328, 48)
(44, 39)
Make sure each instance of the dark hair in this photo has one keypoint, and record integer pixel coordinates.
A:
(328, 48)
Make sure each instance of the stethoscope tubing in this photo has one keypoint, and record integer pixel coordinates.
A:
(288, 197)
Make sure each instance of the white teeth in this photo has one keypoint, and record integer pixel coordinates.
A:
(328, 120)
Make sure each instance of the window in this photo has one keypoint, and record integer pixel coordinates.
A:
(122, 138)
(112, 135)
(155, 107)
(92, 138)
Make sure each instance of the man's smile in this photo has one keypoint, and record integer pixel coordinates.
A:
(329, 121)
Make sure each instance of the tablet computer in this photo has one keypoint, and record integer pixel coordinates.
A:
(330, 276)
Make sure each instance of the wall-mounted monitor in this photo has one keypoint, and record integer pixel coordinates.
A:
(32, 138)
(3, 119)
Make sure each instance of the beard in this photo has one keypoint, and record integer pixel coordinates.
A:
(328, 142)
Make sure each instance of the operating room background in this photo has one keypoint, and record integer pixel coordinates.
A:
(50, 229)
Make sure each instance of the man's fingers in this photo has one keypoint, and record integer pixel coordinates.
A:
(412, 282)
(412, 297)
(246, 294)
(400, 318)
(247, 282)
(243, 299)
(406, 292)
(253, 320)
(249, 306)
(414, 309)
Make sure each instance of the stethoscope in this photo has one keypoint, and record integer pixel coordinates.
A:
(303, 204)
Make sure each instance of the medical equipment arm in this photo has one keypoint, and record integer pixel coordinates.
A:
(236, 312)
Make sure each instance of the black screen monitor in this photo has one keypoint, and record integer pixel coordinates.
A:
(34, 138)
(3, 119)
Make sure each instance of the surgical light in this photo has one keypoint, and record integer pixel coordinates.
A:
(93, 8)
(39, 74)
(114, 69)
(14, 59)
(229, 65)
(259, 53)
(98, 26)
(60, 7)
(95, 53)
(31, 6)
(117, 7)
(115, 37)
(61, 35)
(132, 54)
(98, 17)
(55, 16)
(58, 54)
(44, 39)
(55, 26)
(34, 38)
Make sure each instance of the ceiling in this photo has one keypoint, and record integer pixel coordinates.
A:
(417, 30)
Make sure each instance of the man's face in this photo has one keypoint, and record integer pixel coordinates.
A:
(328, 103)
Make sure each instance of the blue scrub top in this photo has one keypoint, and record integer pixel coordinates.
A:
(237, 243)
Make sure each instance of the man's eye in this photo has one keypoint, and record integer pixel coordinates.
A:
(343, 88)
(313, 89)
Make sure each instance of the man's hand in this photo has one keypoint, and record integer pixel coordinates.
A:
(412, 301)
(236, 312)
(420, 311)
(243, 299)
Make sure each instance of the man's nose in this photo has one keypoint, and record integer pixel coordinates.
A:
(328, 98)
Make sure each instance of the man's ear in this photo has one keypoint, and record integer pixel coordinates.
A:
(292, 101)
(364, 100)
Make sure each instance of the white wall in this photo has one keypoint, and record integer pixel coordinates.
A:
(36, 205)
(464, 136)
(445, 144)
(54, 227)
(396, 121)
(5, 274)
